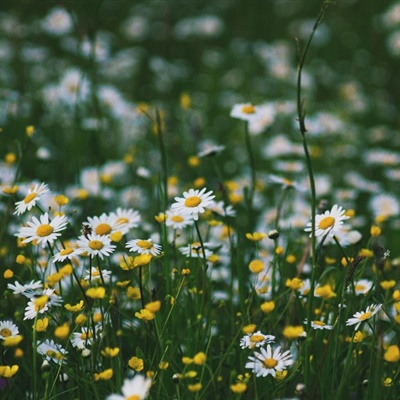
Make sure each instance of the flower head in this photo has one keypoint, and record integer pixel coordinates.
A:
(359, 317)
(95, 245)
(329, 222)
(269, 361)
(256, 339)
(136, 388)
(31, 198)
(193, 202)
(7, 329)
(42, 230)
(178, 221)
(143, 246)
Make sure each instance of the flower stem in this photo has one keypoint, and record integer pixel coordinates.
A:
(302, 127)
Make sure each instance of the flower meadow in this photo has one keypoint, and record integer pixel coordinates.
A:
(193, 206)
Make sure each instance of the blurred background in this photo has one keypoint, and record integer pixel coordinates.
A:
(89, 75)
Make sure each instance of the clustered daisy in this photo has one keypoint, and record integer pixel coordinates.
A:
(269, 361)
(193, 202)
(328, 223)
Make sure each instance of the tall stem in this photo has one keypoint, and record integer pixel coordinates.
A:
(302, 127)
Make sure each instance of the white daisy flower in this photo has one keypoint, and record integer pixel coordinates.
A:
(143, 246)
(94, 273)
(82, 340)
(65, 254)
(256, 339)
(95, 245)
(58, 22)
(362, 286)
(268, 361)
(194, 250)
(31, 198)
(319, 325)
(27, 290)
(136, 388)
(103, 225)
(178, 221)
(36, 306)
(7, 329)
(220, 208)
(42, 230)
(245, 112)
(52, 351)
(127, 218)
(210, 150)
(359, 317)
(329, 222)
(193, 202)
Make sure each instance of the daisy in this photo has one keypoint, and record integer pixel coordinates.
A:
(52, 351)
(127, 218)
(58, 22)
(81, 340)
(95, 273)
(245, 112)
(256, 339)
(193, 202)
(7, 329)
(27, 290)
(31, 198)
(220, 208)
(319, 325)
(362, 286)
(136, 388)
(144, 246)
(95, 245)
(36, 306)
(43, 231)
(103, 225)
(359, 317)
(210, 150)
(268, 362)
(65, 254)
(329, 222)
(194, 250)
(178, 221)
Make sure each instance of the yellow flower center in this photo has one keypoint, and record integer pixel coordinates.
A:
(177, 218)
(85, 335)
(29, 198)
(5, 332)
(144, 244)
(65, 252)
(103, 229)
(122, 220)
(96, 273)
(44, 230)
(248, 109)
(270, 363)
(365, 316)
(192, 201)
(133, 397)
(359, 287)
(41, 302)
(320, 323)
(256, 338)
(326, 222)
(95, 245)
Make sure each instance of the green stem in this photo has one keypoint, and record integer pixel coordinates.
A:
(303, 130)
(252, 165)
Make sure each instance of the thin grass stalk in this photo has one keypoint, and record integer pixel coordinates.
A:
(164, 160)
(251, 191)
(301, 120)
